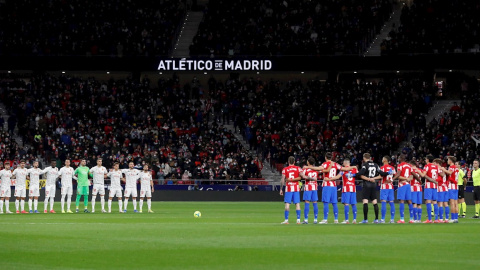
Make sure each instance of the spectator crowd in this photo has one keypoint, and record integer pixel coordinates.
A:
(271, 28)
(84, 27)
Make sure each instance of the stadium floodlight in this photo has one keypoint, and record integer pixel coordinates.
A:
(205, 73)
(398, 71)
(302, 72)
(9, 71)
(160, 73)
(63, 72)
(108, 72)
(355, 72)
(450, 70)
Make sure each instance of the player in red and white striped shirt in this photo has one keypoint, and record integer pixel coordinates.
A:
(416, 187)
(310, 193)
(386, 190)
(291, 175)
(431, 173)
(349, 191)
(452, 177)
(404, 192)
(442, 191)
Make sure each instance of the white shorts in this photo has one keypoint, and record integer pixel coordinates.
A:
(130, 191)
(21, 192)
(33, 192)
(98, 189)
(115, 192)
(6, 192)
(50, 191)
(67, 190)
(146, 193)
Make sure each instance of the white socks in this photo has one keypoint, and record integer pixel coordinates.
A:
(102, 202)
(17, 203)
(120, 205)
(51, 203)
(149, 204)
(141, 205)
(134, 204)
(7, 205)
(35, 204)
(30, 204)
(22, 205)
(45, 204)
(1, 206)
(125, 204)
(93, 203)
(69, 201)
(62, 202)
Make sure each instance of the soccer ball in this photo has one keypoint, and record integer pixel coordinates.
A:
(197, 214)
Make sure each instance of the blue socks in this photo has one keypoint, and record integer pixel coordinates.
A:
(335, 211)
(325, 210)
(440, 212)
(435, 210)
(354, 210)
(402, 211)
(414, 213)
(392, 210)
(346, 210)
(306, 210)
(419, 213)
(429, 211)
(447, 212)
(410, 209)
(286, 214)
(299, 213)
(384, 210)
(315, 210)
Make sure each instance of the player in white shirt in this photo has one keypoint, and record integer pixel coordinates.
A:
(131, 176)
(20, 174)
(98, 173)
(115, 187)
(5, 188)
(146, 188)
(66, 174)
(50, 186)
(34, 186)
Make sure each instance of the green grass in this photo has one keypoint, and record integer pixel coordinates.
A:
(229, 235)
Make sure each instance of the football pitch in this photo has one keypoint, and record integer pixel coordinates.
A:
(229, 235)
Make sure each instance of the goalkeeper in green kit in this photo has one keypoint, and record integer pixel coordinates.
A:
(83, 184)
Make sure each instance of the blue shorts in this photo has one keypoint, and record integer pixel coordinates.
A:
(442, 196)
(349, 197)
(329, 195)
(417, 197)
(311, 196)
(292, 197)
(453, 194)
(404, 193)
(387, 195)
(431, 194)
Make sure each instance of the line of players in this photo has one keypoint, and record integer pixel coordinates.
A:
(441, 188)
(67, 174)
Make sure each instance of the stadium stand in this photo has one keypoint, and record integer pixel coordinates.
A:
(274, 28)
(114, 28)
(435, 27)
(452, 132)
(120, 121)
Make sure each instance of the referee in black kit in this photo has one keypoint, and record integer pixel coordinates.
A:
(369, 173)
